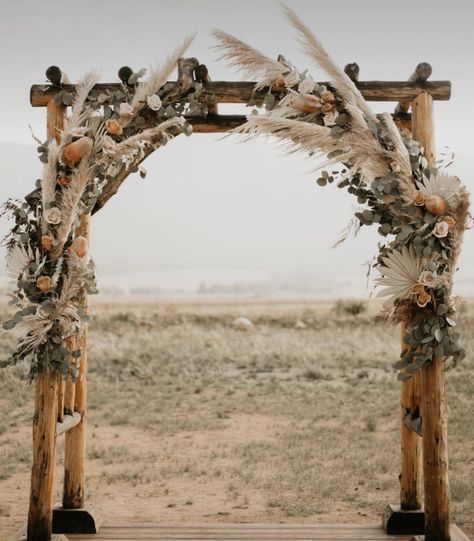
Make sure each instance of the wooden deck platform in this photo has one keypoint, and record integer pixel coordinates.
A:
(239, 532)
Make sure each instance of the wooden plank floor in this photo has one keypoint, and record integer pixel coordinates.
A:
(239, 532)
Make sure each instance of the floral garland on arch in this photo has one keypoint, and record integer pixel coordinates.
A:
(47, 256)
(421, 211)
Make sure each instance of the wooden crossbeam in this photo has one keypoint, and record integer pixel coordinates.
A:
(68, 422)
(243, 92)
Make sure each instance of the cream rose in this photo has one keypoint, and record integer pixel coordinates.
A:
(125, 110)
(292, 79)
(52, 216)
(429, 279)
(154, 102)
(306, 86)
(441, 230)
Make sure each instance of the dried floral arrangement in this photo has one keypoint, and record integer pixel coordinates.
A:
(105, 137)
(421, 211)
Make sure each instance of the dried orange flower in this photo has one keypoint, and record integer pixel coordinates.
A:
(419, 199)
(328, 97)
(423, 299)
(64, 181)
(417, 288)
(113, 127)
(327, 107)
(46, 242)
(43, 283)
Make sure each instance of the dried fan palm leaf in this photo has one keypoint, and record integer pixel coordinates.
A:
(446, 186)
(400, 271)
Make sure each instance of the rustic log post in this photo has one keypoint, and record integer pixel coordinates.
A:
(69, 395)
(61, 394)
(434, 417)
(44, 457)
(46, 412)
(74, 516)
(410, 477)
(408, 517)
(75, 444)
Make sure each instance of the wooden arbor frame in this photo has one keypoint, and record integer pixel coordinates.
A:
(60, 407)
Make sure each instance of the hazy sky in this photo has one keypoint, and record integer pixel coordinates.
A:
(218, 210)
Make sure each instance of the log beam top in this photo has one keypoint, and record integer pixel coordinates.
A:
(243, 91)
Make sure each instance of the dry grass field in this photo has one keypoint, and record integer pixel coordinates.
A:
(193, 420)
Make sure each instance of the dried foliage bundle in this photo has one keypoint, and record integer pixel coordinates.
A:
(421, 211)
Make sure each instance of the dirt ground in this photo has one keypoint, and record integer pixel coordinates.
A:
(193, 420)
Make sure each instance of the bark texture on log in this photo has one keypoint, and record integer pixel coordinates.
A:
(44, 457)
(433, 411)
(75, 444)
(47, 391)
(422, 73)
(243, 91)
(410, 477)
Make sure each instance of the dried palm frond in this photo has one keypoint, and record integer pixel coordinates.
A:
(362, 153)
(296, 135)
(79, 112)
(49, 179)
(401, 158)
(401, 269)
(314, 48)
(158, 77)
(249, 60)
(73, 284)
(132, 148)
(70, 201)
(446, 186)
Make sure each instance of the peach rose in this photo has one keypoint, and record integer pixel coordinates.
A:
(417, 288)
(423, 299)
(419, 199)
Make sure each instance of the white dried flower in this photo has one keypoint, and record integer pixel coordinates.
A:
(429, 279)
(292, 79)
(306, 86)
(125, 110)
(154, 102)
(441, 230)
(52, 216)
(330, 118)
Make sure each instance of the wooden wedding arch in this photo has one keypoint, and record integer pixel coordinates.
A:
(61, 406)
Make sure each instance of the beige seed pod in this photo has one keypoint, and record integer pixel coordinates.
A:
(306, 103)
(75, 151)
(435, 205)
(79, 246)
